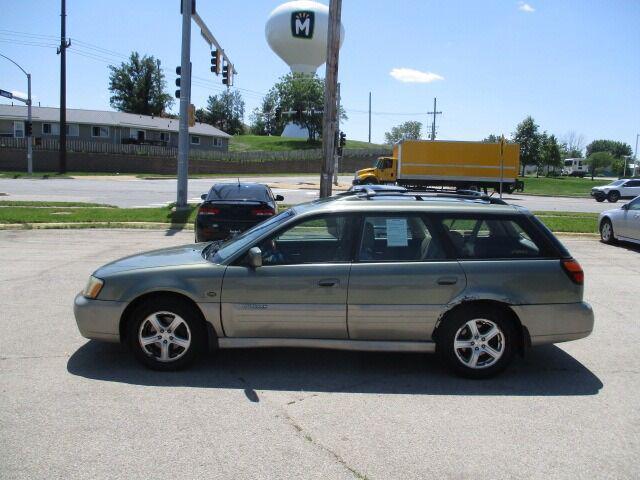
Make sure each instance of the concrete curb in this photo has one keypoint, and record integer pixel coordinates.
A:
(83, 225)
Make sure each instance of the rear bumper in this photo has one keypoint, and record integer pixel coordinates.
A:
(98, 319)
(556, 323)
(211, 229)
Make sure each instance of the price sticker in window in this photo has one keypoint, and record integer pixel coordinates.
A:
(397, 232)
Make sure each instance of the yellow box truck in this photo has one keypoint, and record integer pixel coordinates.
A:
(461, 165)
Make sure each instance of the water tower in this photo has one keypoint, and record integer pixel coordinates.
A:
(297, 32)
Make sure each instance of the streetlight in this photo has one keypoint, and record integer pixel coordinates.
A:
(28, 129)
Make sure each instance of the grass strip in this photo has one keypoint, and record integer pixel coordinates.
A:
(564, 186)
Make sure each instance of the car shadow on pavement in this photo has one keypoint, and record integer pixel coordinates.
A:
(545, 371)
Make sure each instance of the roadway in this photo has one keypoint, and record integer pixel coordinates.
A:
(129, 191)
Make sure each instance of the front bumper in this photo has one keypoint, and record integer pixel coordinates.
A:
(98, 319)
(556, 323)
(598, 193)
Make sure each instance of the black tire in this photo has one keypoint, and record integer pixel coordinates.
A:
(613, 196)
(600, 198)
(454, 323)
(197, 333)
(370, 181)
(607, 236)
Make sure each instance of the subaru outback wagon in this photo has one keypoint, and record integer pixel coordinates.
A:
(471, 278)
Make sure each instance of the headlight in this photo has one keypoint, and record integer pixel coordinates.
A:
(94, 285)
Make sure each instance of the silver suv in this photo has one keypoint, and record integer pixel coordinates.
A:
(470, 278)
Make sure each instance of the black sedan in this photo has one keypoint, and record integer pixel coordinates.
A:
(231, 208)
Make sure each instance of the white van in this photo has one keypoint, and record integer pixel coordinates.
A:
(575, 167)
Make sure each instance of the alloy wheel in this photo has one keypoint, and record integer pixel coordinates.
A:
(164, 336)
(479, 343)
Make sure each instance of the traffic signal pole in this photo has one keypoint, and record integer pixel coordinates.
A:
(188, 11)
(185, 97)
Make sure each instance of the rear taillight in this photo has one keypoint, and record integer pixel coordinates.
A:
(261, 212)
(205, 210)
(574, 270)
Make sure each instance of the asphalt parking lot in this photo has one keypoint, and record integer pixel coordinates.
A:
(72, 408)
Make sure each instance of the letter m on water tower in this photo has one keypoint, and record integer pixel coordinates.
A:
(302, 24)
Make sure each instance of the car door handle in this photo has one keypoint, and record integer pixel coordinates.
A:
(447, 280)
(328, 282)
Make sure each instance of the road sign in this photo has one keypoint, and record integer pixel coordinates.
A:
(4, 93)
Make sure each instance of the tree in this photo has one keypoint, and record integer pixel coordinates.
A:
(263, 119)
(226, 112)
(137, 86)
(599, 160)
(551, 156)
(492, 138)
(300, 99)
(615, 148)
(572, 145)
(527, 136)
(410, 130)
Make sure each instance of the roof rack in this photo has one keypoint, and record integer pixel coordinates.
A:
(369, 191)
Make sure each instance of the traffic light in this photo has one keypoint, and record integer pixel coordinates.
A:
(192, 115)
(28, 128)
(342, 140)
(227, 74)
(278, 113)
(178, 72)
(215, 62)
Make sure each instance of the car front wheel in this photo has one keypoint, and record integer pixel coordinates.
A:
(477, 342)
(613, 196)
(606, 231)
(166, 335)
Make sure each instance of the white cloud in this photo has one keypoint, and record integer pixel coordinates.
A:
(409, 75)
(525, 7)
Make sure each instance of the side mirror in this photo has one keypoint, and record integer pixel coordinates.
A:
(203, 196)
(625, 206)
(255, 257)
(279, 198)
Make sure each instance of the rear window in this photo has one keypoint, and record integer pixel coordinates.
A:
(239, 191)
(493, 238)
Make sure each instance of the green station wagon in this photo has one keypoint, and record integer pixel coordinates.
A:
(471, 278)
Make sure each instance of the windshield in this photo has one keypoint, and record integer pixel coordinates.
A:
(617, 182)
(231, 246)
(239, 191)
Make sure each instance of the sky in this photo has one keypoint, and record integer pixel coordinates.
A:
(573, 65)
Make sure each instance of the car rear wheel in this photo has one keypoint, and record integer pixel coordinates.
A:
(613, 196)
(477, 342)
(606, 231)
(166, 335)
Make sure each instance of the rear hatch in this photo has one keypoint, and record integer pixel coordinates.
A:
(252, 211)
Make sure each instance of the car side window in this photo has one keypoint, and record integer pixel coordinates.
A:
(399, 238)
(490, 238)
(325, 239)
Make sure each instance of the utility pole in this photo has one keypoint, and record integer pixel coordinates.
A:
(62, 50)
(369, 117)
(433, 124)
(336, 155)
(330, 104)
(29, 126)
(635, 156)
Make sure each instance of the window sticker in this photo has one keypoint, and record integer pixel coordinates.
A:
(397, 232)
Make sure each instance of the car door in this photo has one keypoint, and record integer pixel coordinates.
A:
(300, 291)
(630, 220)
(631, 188)
(401, 280)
